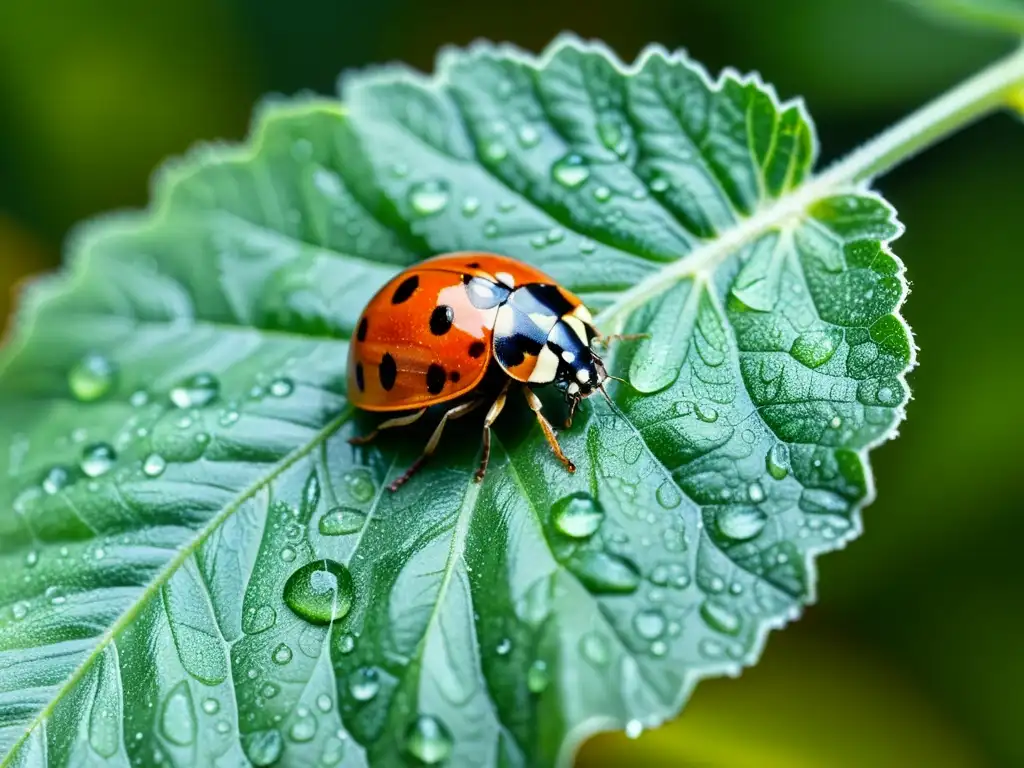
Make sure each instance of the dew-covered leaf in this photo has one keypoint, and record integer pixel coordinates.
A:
(198, 568)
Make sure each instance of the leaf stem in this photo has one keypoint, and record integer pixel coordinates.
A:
(999, 85)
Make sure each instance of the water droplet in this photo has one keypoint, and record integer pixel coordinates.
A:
(154, 465)
(97, 459)
(270, 690)
(605, 573)
(594, 648)
(99, 553)
(659, 648)
(470, 206)
(281, 387)
(359, 485)
(813, 349)
(347, 643)
(587, 246)
(196, 391)
(428, 740)
(56, 480)
(211, 706)
(504, 647)
(287, 554)
(822, 502)
(282, 654)
(19, 610)
(659, 184)
(31, 559)
(668, 495)
(364, 683)
(324, 703)
(320, 591)
(537, 676)
(341, 521)
(428, 198)
(610, 133)
(711, 649)
(491, 229)
(258, 619)
(776, 461)
(649, 624)
(495, 151)
(229, 417)
(719, 618)
(91, 378)
(887, 396)
(139, 398)
(633, 729)
(178, 722)
(602, 194)
(716, 584)
(705, 413)
(577, 515)
(223, 727)
(303, 729)
(755, 492)
(263, 748)
(570, 171)
(528, 136)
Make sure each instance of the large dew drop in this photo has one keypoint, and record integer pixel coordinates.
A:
(428, 198)
(320, 591)
(776, 461)
(577, 515)
(364, 684)
(263, 747)
(178, 722)
(196, 391)
(740, 523)
(605, 573)
(91, 378)
(341, 521)
(428, 740)
(571, 171)
(97, 459)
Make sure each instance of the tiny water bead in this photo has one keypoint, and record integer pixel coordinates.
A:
(428, 740)
(594, 648)
(528, 136)
(577, 515)
(154, 465)
(91, 378)
(196, 391)
(503, 648)
(282, 654)
(649, 624)
(740, 523)
(776, 461)
(347, 643)
(56, 479)
(341, 521)
(324, 703)
(211, 706)
(304, 727)
(320, 591)
(281, 387)
(538, 677)
(263, 748)
(719, 618)
(97, 459)
(359, 485)
(428, 197)
(571, 171)
(364, 684)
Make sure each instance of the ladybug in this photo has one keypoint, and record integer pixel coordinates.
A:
(462, 328)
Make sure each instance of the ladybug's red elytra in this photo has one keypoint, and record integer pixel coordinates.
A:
(463, 328)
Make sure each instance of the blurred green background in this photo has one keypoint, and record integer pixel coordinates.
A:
(914, 654)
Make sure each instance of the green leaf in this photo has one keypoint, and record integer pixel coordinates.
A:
(998, 15)
(197, 566)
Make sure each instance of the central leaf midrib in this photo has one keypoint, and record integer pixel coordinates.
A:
(182, 556)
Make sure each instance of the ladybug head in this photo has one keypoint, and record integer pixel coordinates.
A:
(581, 378)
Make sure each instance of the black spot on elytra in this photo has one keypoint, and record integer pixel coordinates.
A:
(436, 377)
(363, 327)
(454, 377)
(477, 348)
(406, 289)
(441, 320)
(360, 378)
(473, 265)
(387, 371)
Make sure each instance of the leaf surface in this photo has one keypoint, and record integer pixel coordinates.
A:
(998, 15)
(183, 515)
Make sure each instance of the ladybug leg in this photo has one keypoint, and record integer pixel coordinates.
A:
(549, 432)
(435, 438)
(492, 415)
(606, 341)
(398, 421)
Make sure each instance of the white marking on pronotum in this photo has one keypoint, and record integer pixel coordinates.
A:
(568, 356)
(582, 375)
(546, 367)
(573, 388)
(577, 327)
(506, 278)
